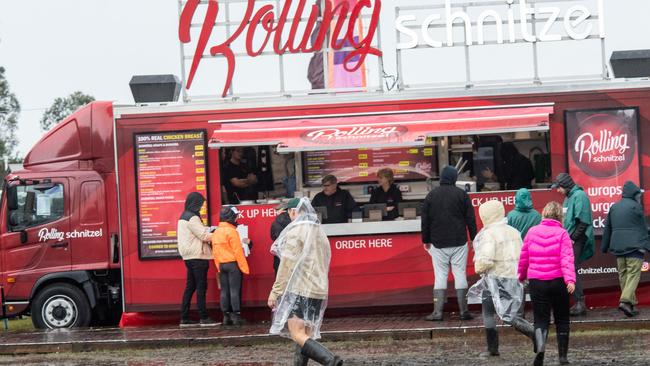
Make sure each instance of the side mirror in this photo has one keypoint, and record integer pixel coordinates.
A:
(23, 237)
(12, 198)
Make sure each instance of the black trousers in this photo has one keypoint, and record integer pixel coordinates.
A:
(550, 296)
(578, 294)
(197, 280)
(230, 279)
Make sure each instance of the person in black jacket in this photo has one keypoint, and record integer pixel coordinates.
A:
(281, 221)
(386, 192)
(447, 215)
(626, 236)
(339, 202)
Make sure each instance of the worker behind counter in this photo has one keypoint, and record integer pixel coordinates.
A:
(386, 192)
(517, 169)
(238, 180)
(339, 202)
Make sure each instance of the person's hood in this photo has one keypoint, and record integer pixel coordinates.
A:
(563, 180)
(630, 190)
(491, 212)
(523, 200)
(448, 175)
(193, 203)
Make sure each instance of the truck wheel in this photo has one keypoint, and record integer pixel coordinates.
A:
(60, 306)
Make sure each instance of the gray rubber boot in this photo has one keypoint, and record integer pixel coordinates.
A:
(540, 345)
(462, 305)
(438, 305)
(492, 338)
(524, 327)
(298, 358)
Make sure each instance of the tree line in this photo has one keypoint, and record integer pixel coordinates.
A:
(10, 112)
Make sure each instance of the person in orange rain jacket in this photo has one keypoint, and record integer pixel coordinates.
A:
(231, 263)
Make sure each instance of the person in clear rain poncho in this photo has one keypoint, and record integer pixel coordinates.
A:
(299, 295)
(496, 256)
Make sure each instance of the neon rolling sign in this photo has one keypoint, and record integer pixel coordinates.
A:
(283, 32)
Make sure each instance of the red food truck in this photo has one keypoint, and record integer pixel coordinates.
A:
(87, 229)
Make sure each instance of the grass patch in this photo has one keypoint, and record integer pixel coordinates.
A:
(19, 325)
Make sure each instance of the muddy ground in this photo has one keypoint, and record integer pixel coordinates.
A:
(600, 347)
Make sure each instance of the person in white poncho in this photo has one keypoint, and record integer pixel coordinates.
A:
(497, 248)
(299, 295)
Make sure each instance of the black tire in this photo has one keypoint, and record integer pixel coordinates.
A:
(60, 306)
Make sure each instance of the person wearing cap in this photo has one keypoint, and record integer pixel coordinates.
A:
(281, 221)
(447, 216)
(578, 223)
(194, 248)
(626, 237)
(231, 263)
(339, 202)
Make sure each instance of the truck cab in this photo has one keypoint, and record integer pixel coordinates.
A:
(58, 245)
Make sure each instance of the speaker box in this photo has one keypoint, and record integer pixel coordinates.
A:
(631, 64)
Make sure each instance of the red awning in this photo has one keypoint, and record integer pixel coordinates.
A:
(381, 130)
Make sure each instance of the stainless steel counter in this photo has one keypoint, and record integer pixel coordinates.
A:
(374, 227)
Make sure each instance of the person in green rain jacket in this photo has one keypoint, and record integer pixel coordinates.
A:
(579, 223)
(524, 216)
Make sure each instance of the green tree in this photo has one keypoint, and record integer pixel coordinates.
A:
(63, 107)
(9, 111)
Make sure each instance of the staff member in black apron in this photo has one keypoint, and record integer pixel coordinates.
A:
(339, 202)
(387, 192)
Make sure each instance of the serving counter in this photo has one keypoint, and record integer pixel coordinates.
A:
(373, 227)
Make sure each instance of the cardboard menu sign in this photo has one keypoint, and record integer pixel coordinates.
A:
(603, 153)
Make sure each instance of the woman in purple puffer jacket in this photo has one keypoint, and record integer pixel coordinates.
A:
(546, 261)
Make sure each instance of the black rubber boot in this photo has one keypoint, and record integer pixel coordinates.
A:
(578, 309)
(492, 338)
(298, 358)
(227, 319)
(563, 346)
(237, 320)
(627, 309)
(438, 305)
(540, 345)
(524, 327)
(462, 305)
(320, 354)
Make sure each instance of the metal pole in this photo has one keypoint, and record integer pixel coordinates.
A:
(232, 89)
(4, 309)
(536, 79)
(400, 72)
(183, 80)
(380, 61)
(281, 61)
(468, 75)
(603, 53)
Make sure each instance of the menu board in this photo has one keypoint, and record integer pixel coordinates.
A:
(169, 165)
(361, 165)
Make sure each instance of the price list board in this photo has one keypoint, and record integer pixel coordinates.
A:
(169, 165)
(361, 165)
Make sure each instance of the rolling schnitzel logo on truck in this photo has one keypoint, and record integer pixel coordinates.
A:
(353, 134)
(603, 146)
(46, 234)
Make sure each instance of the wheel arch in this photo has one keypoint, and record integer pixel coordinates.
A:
(80, 279)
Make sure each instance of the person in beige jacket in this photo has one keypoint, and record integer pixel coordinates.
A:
(194, 247)
(497, 248)
(299, 294)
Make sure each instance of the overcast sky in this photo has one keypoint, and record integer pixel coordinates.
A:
(51, 48)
